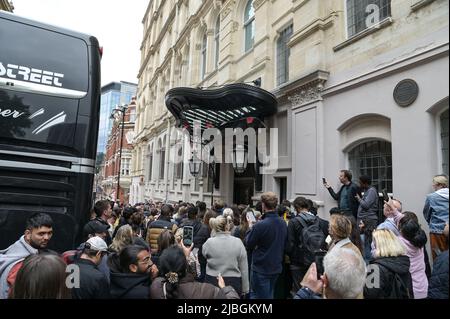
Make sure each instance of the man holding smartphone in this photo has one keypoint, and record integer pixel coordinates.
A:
(346, 196)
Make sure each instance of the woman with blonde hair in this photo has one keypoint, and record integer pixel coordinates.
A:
(340, 230)
(389, 268)
(124, 237)
(226, 256)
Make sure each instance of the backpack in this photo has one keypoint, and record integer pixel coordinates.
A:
(311, 239)
(399, 289)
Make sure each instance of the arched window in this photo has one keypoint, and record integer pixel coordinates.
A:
(217, 43)
(162, 158)
(373, 158)
(444, 141)
(179, 165)
(150, 162)
(249, 25)
(204, 46)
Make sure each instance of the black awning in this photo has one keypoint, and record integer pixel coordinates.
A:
(219, 107)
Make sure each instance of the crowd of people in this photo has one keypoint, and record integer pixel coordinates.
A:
(273, 250)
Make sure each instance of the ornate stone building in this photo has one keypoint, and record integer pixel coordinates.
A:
(336, 67)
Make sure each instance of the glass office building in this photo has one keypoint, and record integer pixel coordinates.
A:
(113, 94)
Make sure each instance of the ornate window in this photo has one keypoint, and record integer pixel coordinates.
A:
(362, 14)
(249, 25)
(283, 53)
(125, 169)
(179, 166)
(374, 159)
(150, 163)
(162, 158)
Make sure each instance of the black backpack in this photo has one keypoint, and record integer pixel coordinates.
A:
(311, 239)
(399, 289)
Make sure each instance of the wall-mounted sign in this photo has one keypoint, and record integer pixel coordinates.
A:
(406, 92)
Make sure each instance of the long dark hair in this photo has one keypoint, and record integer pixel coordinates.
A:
(410, 229)
(355, 236)
(42, 276)
(172, 267)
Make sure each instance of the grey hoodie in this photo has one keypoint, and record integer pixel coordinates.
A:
(10, 257)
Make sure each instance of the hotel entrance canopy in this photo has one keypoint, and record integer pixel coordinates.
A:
(219, 107)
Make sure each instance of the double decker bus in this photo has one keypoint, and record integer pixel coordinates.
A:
(49, 114)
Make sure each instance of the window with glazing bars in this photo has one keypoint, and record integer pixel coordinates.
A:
(249, 25)
(283, 53)
(357, 14)
(374, 159)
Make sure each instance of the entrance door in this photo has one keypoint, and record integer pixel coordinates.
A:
(244, 189)
(283, 188)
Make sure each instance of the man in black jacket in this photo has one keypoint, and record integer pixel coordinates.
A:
(103, 211)
(267, 239)
(131, 273)
(93, 283)
(296, 249)
(346, 197)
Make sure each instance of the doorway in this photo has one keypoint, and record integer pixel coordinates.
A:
(244, 189)
(281, 183)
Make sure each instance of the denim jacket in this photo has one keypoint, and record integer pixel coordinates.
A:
(436, 210)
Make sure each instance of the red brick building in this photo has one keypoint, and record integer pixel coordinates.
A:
(112, 163)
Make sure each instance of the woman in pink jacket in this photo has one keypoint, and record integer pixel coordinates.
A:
(414, 239)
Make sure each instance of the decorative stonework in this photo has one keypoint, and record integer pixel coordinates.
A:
(258, 3)
(305, 89)
(307, 93)
(234, 26)
(227, 9)
(305, 96)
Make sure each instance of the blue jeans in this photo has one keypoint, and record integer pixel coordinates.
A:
(262, 285)
(367, 249)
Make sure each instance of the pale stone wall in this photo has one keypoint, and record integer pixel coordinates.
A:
(358, 78)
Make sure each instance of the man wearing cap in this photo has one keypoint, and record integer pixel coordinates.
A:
(94, 228)
(93, 283)
(103, 211)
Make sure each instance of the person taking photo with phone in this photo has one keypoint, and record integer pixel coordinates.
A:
(367, 213)
(344, 277)
(346, 196)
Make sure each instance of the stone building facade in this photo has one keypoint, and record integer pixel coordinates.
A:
(337, 69)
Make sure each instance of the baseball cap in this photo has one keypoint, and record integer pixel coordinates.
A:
(94, 227)
(96, 243)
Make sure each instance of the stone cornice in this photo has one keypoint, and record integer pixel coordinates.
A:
(304, 89)
(313, 27)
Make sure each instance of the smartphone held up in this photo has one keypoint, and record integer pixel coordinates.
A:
(188, 235)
